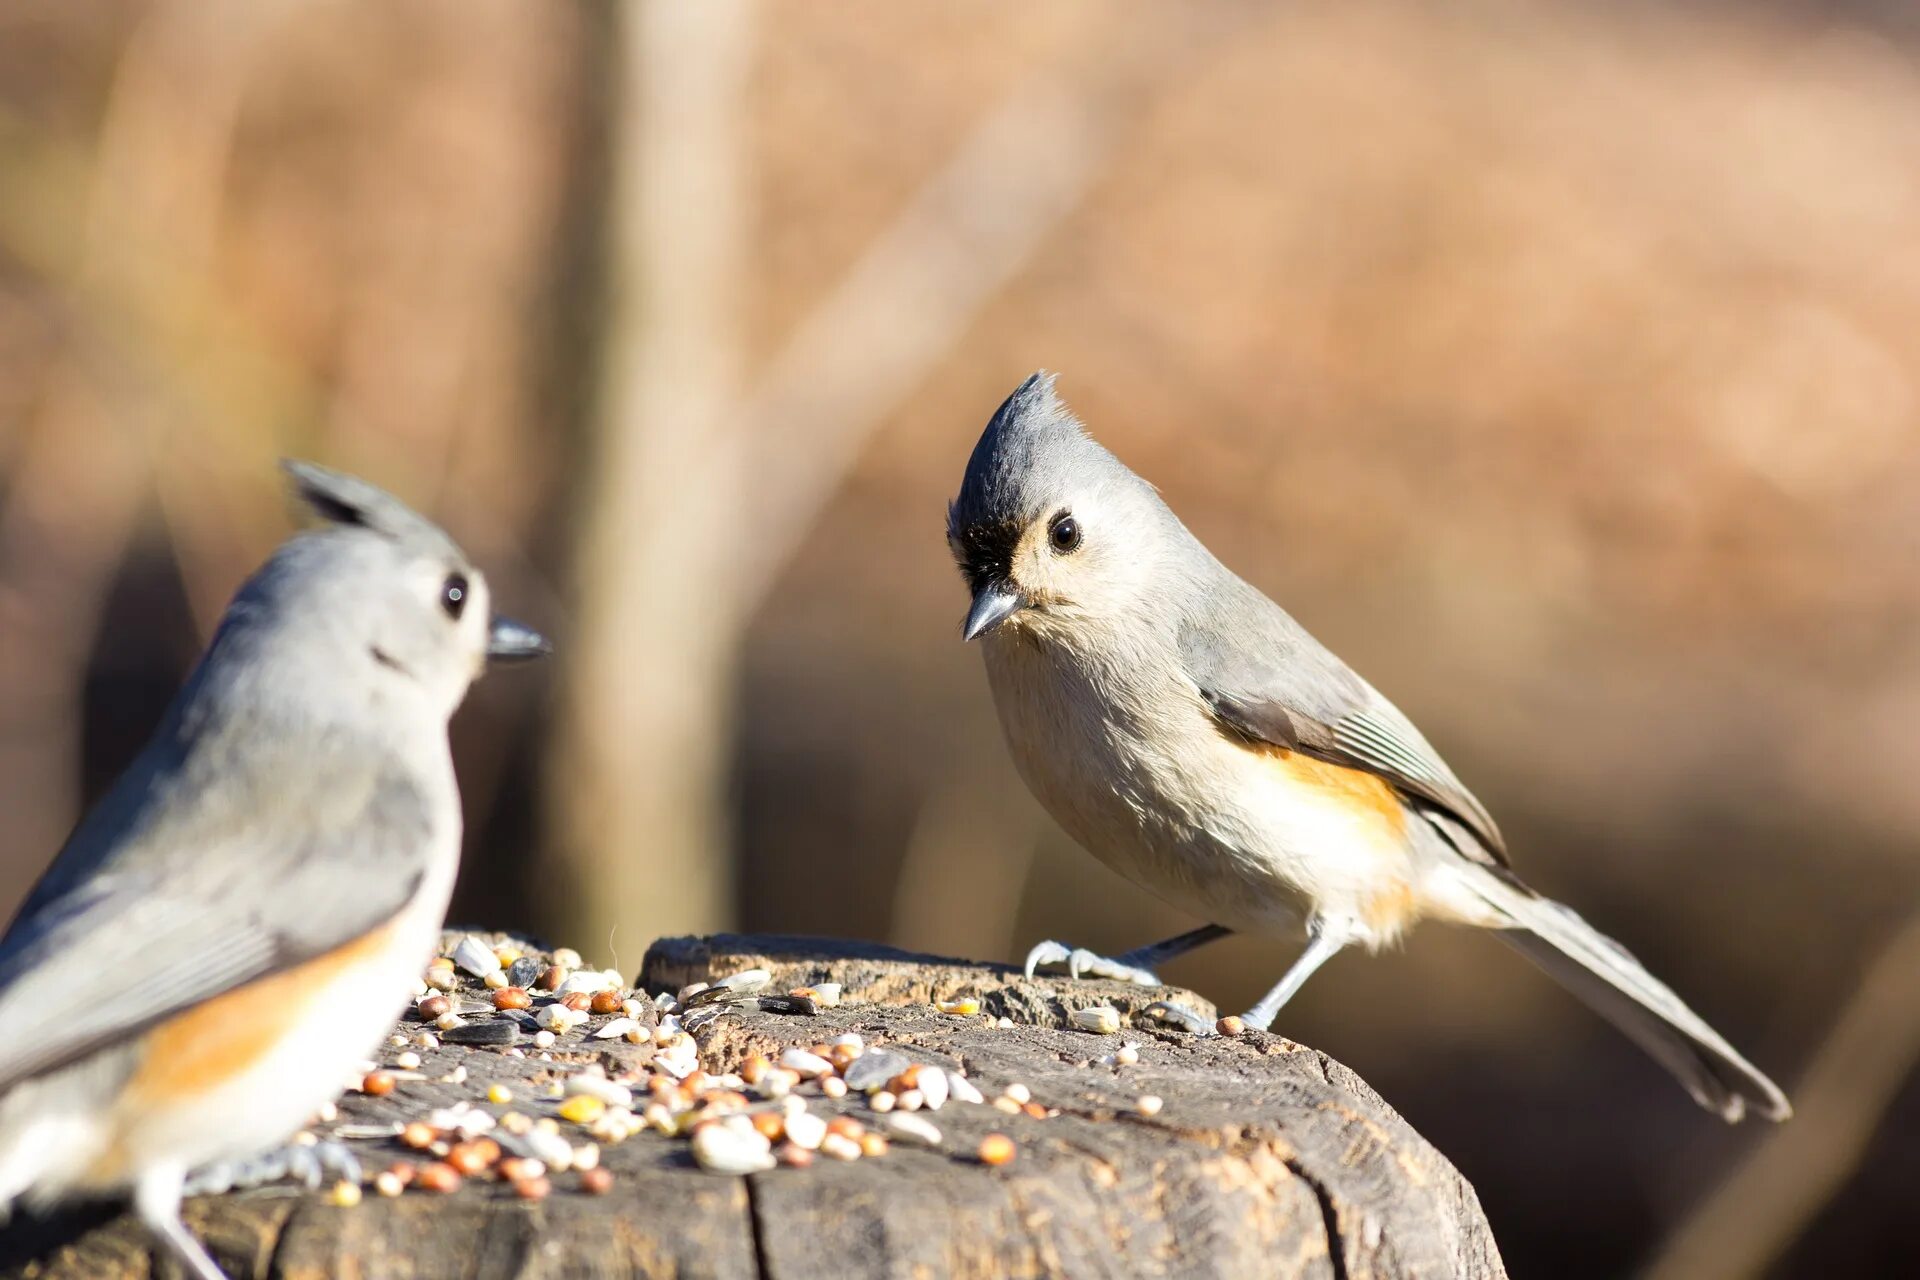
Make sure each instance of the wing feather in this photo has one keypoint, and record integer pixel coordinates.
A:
(1265, 679)
(234, 866)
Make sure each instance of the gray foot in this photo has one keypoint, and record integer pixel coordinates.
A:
(1082, 963)
(1178, 1016)
(310, 1165)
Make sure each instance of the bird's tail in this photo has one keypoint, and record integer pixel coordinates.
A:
(1617, 987)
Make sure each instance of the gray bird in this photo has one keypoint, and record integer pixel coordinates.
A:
(240, 920)
(1193, 737)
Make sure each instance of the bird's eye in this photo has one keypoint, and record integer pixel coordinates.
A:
(453, 595)
(1064, 533)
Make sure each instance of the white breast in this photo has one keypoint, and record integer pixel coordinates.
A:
(1138, 773)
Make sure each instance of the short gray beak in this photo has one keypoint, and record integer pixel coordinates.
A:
(992, 605)
(510, 641)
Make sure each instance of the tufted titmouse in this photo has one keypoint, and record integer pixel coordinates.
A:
(1196, 739)
(240, 920)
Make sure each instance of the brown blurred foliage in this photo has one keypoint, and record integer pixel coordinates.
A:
(1554, 363)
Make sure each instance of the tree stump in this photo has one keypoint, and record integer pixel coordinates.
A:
(1264, 1157)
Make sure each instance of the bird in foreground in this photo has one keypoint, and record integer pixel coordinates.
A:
(239, 921)
(1192, 736)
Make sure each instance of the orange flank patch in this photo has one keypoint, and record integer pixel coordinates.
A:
(1389, 911)
(1356, 787)
(203, 1047)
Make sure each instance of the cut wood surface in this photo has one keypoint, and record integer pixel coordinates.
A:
(1265, 1158)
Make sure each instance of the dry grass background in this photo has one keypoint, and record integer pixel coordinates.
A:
(1554, 363)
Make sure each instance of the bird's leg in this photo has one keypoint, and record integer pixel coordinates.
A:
(156, 1199)
(1135, 966)
(309, 1164)
(1323, 943)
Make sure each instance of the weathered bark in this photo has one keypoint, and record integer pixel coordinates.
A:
(1268, 1158)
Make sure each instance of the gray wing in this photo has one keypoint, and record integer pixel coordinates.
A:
(201, 872)
(1266, 679)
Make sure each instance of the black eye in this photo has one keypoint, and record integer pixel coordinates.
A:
(453, 595)
(1064, 533)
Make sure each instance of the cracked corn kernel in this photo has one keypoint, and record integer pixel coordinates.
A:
(840, 1147)
(442, 1178)
(1148, 1104)
(964, 1007)
(344, 1194)
(1231, 1025)
(996, 1149)
(516, 1168)
(388, 1183)
(499, 1094)
(469, 1158)
(378, 1083)
(605, 1002)
(418, 1136)
(596, 1181)
(532, 1188)
(583, 1108)
(873, 1144)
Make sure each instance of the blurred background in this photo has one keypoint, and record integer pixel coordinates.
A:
(1554, 363)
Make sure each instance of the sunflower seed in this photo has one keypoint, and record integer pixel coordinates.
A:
(807, 1064)
(491, 1032)
(1101, 1019)
(963, 1089)
(913, 1127)
(476, 957)
(872, 1070)
(722, 1148)
(615, 1027)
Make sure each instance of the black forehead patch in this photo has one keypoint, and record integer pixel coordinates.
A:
(984, 550)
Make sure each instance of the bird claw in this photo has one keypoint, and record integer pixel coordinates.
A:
(310, 1165)
(1082, 963)
(1176, 1016)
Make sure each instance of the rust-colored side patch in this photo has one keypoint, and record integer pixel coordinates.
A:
(212, 1042)
(1356, 787)
(1390, 911)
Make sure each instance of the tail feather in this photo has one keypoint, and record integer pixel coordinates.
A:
(1617, 987)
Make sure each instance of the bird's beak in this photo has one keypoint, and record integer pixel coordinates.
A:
(993, 604)
(510, 641)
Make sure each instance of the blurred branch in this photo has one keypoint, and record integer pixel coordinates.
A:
(975, 224)
(1761, 1209)
(643, 724)
(697, 494)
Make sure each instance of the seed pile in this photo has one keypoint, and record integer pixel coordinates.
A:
(788, 1109)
